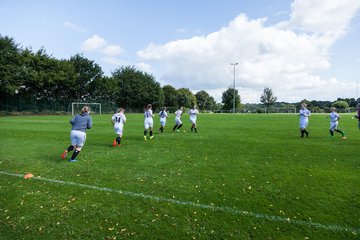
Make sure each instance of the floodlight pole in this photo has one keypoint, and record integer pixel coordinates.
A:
(234, 64)
(357, 89)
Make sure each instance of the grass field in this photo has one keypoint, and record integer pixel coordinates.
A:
(240, 177)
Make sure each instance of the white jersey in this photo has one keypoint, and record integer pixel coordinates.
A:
(193, 113)
(118, 119)
(304, 118)
(148, 122)
(178, 114)
(334, 117)
(163, 116)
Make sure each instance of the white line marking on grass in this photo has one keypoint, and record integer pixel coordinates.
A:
(234, 211)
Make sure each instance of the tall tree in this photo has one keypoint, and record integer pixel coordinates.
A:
(204, 100)
(170, 95)
(185, 98)
(86, 71)
(137, 88)
(11, 71)
(104, 89)
(228, 99)
(268, 98)
(340, 104)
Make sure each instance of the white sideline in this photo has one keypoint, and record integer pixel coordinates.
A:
(234, 211)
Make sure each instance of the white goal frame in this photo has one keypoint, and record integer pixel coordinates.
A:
(84, 104)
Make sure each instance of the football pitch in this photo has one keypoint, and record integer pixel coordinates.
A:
(240, 177)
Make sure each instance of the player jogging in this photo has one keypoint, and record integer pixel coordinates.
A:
(118, 120)
(163, 115)
(80, 123)
(358, 114)
(334, 122)
(304, 120)
(148, 122)
(193, 112)
(178, 122)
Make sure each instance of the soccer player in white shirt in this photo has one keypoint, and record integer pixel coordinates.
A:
(304, 119)
(178, 122)
(163, 115)
(334, 122)
(193, 112)
(148, 122)
(118, 120)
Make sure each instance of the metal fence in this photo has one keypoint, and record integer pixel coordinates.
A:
(15, 105)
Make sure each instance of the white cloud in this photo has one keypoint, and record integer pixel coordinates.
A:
(74, 27)
(283, 57)
(112, 50)
(330, 17)
(93, 43)
(109, 52)
(144, 67)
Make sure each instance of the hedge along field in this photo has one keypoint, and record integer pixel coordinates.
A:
(240, 177)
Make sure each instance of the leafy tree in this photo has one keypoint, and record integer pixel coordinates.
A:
(351, 101)
(268, 98)
(307, 102)
(41, 71)
(185, 98)
(228, 99)
(11, 70)
(137, 88)
(170, 95)
(340, 104)
(204, 100)
(218, 106)
(104, 89)
(86, 71)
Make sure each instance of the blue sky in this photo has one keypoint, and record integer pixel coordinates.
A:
(301, 49)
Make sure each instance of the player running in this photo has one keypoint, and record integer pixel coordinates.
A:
(163, 115)
(148, 122)
(178, 122)
(304, 120)
(193, 112)
(80, 123)
(358, 114)
(118, 120)
(334, 122)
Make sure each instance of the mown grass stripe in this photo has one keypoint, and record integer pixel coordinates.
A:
(328, 227)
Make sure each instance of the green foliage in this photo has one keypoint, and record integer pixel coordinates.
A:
(228, 99)
(205, 101)
(170, 95)
(351, 101)
(268, 98)
(11, 71)
(86, 71)
(340, 104)
(185, 98)
(137, 88)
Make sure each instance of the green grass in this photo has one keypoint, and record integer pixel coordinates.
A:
(181, 185)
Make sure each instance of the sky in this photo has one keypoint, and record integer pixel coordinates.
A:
(301, 49)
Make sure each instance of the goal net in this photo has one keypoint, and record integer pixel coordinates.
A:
(95, 108)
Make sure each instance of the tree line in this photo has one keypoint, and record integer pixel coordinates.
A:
(37, 77)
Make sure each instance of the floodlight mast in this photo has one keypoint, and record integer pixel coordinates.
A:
(234, 64)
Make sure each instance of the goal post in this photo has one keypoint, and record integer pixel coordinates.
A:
(77, 106)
